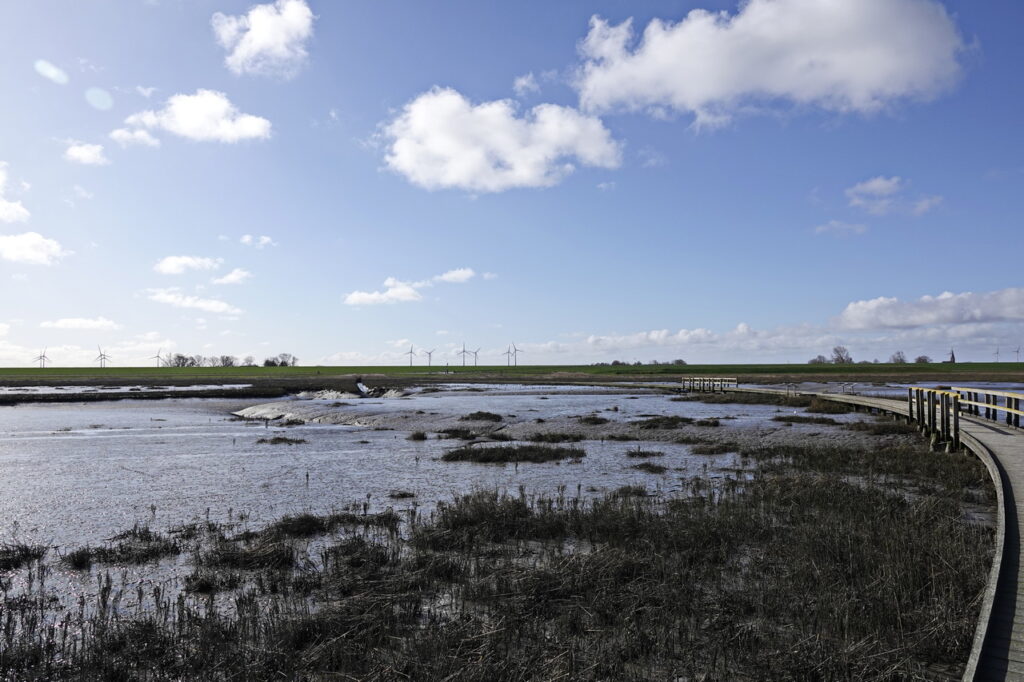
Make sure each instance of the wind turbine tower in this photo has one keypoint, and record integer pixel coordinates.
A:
(515, 355)
(41, 359)
(475, 354)
(508, 357)
(102, 358)
(1017, 352)
(159, 360)
(410, 353)
(463, 353)
(430, 355)
(997, 353)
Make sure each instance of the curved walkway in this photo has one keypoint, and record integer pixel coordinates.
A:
(998, 649)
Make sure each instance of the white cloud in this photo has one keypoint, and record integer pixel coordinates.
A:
(82, 193)
(10, 211)
(395, 291)
(877, 195)
(840, 56)
(456, 276)
(80, 323)
(442, 140)
(51, 72)
(945, 309)
(490, 275)
(87, 154)
(206, 116)
(606, 186)
(925, 204)
(126, 137)
(523, 85)
(236, 276)
(269, 40)
(176, 265)
(31, 248)
(398, 291)
(146, 92)
(881, 195)
(258, 242)
(838, 227)
(4, 328)
(177, 299)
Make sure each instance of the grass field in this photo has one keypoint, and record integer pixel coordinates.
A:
(987, 371)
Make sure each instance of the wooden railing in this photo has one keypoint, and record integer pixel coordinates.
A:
(938, 411)
(709, 383)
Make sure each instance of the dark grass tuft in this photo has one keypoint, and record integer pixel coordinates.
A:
(554, 437)
(281, 440)
(650, 468)
(481, 417)
(17, 555)
(823, 406)
(804, 419)
(511, 453)
(670, 422)
(592, 420)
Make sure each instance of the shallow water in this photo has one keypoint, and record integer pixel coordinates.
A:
(76, 473)
(72, 390)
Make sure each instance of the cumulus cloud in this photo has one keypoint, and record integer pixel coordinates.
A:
(126, 137)
(947, 308)
(81, 323)
(86, 154)
(876, 196)
(258, 242)
(176, 298)
(176, 265)
(839, 228)
(524, 85)
(145, 91)
(236, 276)
(839, 56)
(31, 248)
(269, 40)
(51, 72)
(881, 195)
(398, 291)
(442, 140)
(206, 116)
(10, 211)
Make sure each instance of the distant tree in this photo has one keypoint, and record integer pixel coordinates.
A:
(270, 362)
(819, 360)
(197, 361)
(214, 361)
(679, 361)
(179, 360)
(287, 360)
(841, 356)
(922, 359)
(616, 363)
(898, 358)
(228, 361)
(249, 361)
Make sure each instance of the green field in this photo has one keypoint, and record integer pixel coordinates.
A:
(984, 371)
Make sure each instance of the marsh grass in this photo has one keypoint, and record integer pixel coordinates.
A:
(16, 555)
(822, 406)
(459, 433)
(714, 448)
(552, 437)
(752, 399)
(281, 440)
(481, 417)
(650, 468)
(883, 428)
(592, 420)
(417, 435)
(804, 419)
(817, 566)
(669, 422)
(511, 453)
(638, 453)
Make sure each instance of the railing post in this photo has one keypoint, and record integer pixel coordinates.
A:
(910, 404)
(956, 423)
(1008, 404)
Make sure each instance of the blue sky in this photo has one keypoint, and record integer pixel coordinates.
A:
(713, 181)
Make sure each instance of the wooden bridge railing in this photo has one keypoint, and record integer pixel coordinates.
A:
(709, 383)
(937, 411)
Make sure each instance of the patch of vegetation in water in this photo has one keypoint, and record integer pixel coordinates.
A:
(804, 419)
(553, 437)
(511, 453)
(592, 420)
(481, 417)
(280, 440)
(668, 422)
(650, 468)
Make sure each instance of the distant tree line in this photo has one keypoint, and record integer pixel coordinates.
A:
(841, 356)
(181, 360)
(623, 363)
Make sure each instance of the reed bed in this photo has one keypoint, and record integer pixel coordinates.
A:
(815, 564)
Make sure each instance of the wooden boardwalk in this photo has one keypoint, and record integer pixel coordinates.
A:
(998, 650)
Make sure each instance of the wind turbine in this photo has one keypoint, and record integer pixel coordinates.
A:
(41, 359)
(508, 357)
(157, 358)
(475, 354)
(463, 353)
(102, 358)
(515, 354)
(997, 353)
(410, 353)
(1017, 353)
(430, 355)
